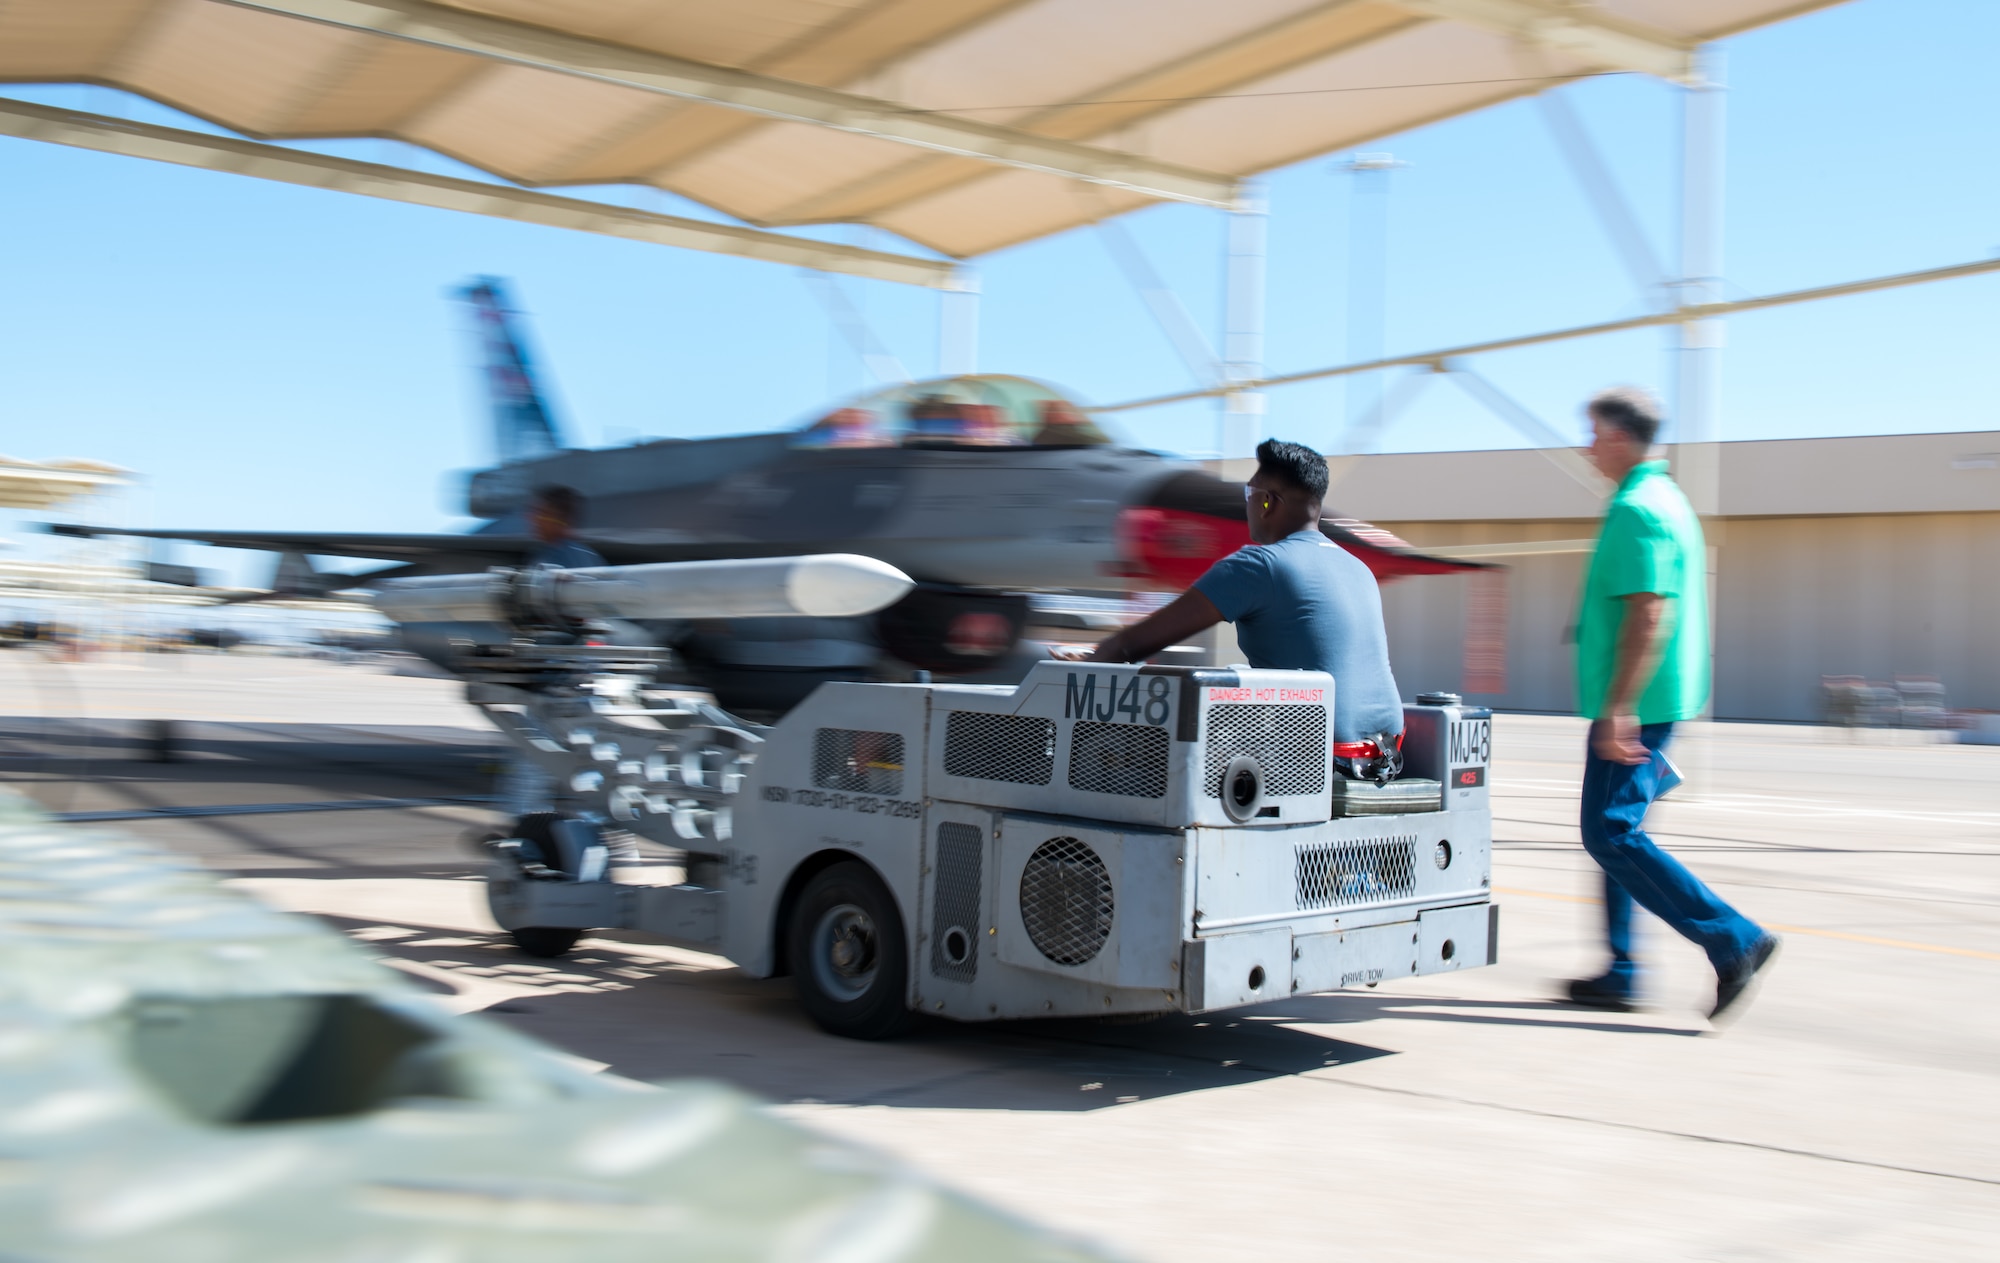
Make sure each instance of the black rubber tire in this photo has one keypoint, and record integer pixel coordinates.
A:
(545, 941)
(876, 1009)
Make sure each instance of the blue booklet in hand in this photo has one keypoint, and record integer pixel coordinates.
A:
(1670, 776)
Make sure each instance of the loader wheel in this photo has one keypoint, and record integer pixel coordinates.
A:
(545, 941)
(537, 831)
(849, 956)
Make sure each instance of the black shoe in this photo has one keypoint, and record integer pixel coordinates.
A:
(1601, 993)
(1731, 984)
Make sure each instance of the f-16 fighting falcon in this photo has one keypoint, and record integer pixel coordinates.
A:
(984, 489)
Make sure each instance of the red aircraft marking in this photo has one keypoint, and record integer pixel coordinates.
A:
(1171, 548)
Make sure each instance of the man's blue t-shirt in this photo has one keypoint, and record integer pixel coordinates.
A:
(1305, 603)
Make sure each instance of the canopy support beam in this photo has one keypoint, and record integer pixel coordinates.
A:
(1614, 213)
(519, 44)
(1550, 442)
(879, 361)
(1169, 313)
(1689, 314)
(502, 201)
(1590, 34)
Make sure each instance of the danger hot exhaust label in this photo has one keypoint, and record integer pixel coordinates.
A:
(1267, 695)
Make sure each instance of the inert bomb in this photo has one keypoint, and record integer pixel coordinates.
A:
(831, 585)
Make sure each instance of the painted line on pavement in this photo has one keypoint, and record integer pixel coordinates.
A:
(1870, 939)
(1731, 1141)
(1544, 894)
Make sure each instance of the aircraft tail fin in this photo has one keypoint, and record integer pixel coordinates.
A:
(294, 578)
(523, 426)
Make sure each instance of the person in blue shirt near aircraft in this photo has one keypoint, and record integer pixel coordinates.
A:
(552, 515)
(552, 518)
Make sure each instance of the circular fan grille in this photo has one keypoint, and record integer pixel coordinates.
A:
(1066, 901)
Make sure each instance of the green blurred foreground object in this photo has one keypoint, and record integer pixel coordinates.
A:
(187, 1075)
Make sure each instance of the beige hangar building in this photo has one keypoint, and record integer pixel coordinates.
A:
(1876, 557)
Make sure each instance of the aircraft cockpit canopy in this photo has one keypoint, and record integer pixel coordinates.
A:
(957, 412)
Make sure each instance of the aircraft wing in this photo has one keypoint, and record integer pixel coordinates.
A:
(445, 549)
(446, 553)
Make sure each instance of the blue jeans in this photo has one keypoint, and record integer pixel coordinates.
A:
(1615, 799)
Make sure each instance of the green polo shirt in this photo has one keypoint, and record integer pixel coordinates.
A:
(1650, 542)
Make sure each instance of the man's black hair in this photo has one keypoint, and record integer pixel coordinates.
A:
(562, 501)
(1630, 409)
(1296, 463)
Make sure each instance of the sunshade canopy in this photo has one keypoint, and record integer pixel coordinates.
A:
(28, 484)
(963, 125)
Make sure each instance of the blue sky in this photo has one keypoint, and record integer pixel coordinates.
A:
(274, 357)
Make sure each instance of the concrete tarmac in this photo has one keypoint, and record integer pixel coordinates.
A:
(1852, 1113)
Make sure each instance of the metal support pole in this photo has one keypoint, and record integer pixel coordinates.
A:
(1242, 420)
(958, 325)
(1698, 356)
(1697, 379)
(1367, 280)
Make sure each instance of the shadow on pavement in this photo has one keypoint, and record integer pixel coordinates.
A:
(648, 1013)
(106, 765)
(103, 754)
(1363, 1007)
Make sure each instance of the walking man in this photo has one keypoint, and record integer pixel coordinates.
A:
(1642, 665)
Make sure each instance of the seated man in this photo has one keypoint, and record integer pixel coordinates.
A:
(552, 519)
(1300, 602)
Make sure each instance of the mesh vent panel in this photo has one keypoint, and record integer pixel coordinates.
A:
(1128, 759)
(857, 761)
(1288, 742)
(1017, 748)
(1344, 874)
(1066, 901)
(955, 911)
